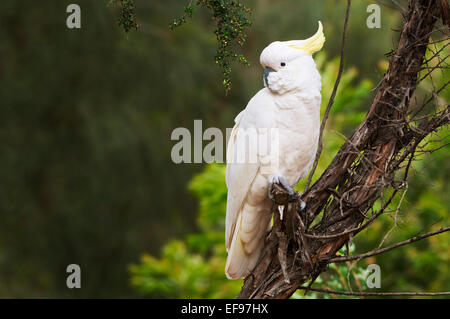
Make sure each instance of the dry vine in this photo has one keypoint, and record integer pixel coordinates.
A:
(376, 158)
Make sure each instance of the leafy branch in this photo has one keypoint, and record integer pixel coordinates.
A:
(127, 16)
(231, 19)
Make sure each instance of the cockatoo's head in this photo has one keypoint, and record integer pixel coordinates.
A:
(289, 66)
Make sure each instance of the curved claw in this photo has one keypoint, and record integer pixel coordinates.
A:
(270, 194)
(301, 202)
(302, 206)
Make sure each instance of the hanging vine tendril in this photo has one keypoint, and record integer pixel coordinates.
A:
(127, 17)
(231, 19)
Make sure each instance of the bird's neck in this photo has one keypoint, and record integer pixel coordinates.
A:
(309, 99)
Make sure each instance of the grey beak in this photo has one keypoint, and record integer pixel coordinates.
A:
(266, 75)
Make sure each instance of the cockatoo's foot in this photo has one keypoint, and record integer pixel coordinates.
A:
(280, 180)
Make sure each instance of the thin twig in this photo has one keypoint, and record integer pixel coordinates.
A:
(331, 100)
(356, 230)
(347, 293)
(380, 251)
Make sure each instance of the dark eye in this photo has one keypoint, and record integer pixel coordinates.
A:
(283, 64)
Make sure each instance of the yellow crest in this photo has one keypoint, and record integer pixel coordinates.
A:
(312, 44)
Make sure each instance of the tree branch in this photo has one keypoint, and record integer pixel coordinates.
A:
(380, 251)
(367, 294)
(331, 100)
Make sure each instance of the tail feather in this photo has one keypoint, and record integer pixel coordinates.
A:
(246, 247)
(238, 259)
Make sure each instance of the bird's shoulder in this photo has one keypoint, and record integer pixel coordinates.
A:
(259, 110)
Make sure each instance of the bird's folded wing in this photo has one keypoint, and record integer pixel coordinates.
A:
(239, 177)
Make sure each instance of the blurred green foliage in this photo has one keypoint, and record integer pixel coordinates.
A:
(194, 267)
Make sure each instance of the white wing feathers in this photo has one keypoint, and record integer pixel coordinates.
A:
(238, 179)
(248, 207)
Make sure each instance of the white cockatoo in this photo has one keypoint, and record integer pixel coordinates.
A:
(285, 119)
